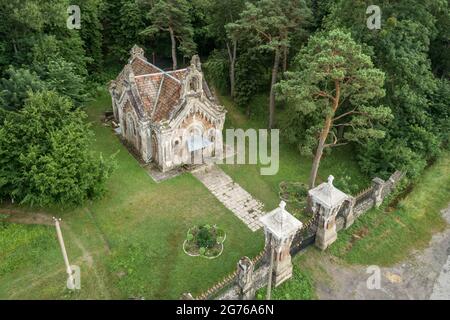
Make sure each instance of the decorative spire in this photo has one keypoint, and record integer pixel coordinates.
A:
(137, 51)
(282, 207)
(330, 180)
(195, 62)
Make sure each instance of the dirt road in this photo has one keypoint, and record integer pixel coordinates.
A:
(424, 275)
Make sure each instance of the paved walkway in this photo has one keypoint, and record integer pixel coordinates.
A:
(232, 195)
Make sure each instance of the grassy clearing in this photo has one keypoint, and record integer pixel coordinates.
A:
(134, 236)
(14, 241)
(387, 235)
(293, 166)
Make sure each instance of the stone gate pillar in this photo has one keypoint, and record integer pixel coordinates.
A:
(378, 185)
(326, 200)
(279, 229)
(245, 279)
(349, 215)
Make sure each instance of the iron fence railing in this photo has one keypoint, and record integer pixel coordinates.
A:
(305, 236)
(363, 196)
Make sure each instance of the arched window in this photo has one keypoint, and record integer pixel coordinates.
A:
(193, 85)
(131, 125)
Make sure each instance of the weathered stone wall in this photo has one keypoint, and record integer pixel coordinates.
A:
(260, 279)
(340, 223)
(363, 202)
(363, 206)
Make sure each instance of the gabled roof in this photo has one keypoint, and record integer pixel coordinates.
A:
(160, 92)
(141, 66)
(280, 222)
(327, 194)
(155, 92)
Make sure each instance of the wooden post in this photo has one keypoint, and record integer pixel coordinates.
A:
(71, 281)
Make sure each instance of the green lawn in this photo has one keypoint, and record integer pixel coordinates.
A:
(133, 236)
(293, 166)
(387, 235)
(129, 243)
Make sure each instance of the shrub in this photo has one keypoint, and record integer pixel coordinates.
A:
(205, 238)
(45, 155)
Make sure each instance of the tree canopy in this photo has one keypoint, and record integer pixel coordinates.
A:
(45, 156)
(269, 25)
(173, 16)
(331, 93)
(394, 113)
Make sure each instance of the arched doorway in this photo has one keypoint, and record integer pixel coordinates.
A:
(195, 139)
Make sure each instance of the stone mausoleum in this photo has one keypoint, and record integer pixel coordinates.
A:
(168, 117)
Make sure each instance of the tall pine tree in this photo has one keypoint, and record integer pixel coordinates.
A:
(172, 17)
(332, 88)
(270, 24)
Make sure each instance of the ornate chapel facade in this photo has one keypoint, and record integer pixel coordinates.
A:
(168, 117)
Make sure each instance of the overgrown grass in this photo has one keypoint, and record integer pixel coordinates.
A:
(299, 287)
(31, 263)
(387, 235)
(24, 246)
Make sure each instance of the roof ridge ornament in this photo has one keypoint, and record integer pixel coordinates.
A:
(282, 207)
(195, 62)
(330, 180)
(137, 51)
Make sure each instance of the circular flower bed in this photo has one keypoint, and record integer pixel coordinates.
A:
(204, 241)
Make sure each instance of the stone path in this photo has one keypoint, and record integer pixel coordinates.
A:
(232, 195)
